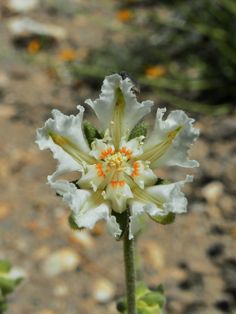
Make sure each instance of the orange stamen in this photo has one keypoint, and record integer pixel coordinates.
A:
(105, 153)
(136, 166)
(100, 172)
(126, 152)
(117, 183)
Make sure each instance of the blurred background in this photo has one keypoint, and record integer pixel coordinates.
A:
(55, 54)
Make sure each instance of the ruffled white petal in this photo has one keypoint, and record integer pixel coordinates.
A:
(131, 111)
(88, 207)
(118, 195)
(136, 217)
(67, 130)
(164, 198)
(170, 140)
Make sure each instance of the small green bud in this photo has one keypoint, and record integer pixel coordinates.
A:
(121, 306)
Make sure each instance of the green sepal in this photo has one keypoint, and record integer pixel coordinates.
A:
(5, 266)
(147, 301)
(3, 305)
(90, 132)
(7, 285)
(122, 221)
(164, 220)
(72, 223)
(162, 181)
(139, 130)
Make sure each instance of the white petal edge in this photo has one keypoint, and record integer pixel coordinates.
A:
(177, 153)
(173, 200)
(172, 197)
(69, 127)
(86, 207)
(104, 106)
(136, 218)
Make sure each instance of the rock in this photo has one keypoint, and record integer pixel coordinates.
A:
(224, 305)
(229, 276)
(177, 274)
(227, 205)
(193, 281)
(60, 261)
(99, 229)
(22, 5)
(24, 27)
(212, 168)
(45, 312)
(154, 255)
(103, 291)
(82, 238)
(200, 151)
(196, 307)
(4, 80)
(213, 191)
(41, 252)
(7, 112)
(61, 291)
(217, 230)
(215, 250)
(198, 207)
(5, 210)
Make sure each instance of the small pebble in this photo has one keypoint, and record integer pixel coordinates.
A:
(213, 191)
(82, 238)
(60, 261)
(5, 210)
(22, 6)
(61, 291)
(154, 255)
(103, 291)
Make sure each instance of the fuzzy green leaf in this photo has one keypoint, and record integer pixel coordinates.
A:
(91, 133)
(139, 130)
(5, 266)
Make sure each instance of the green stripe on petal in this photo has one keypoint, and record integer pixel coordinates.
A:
(157, 151)
(70, 148)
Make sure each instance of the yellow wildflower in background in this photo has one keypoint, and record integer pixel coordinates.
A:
(124, 15)
(68, 54)
(34, 46)
(155, 71)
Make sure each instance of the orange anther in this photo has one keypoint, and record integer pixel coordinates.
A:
(126, 152)
(136, 166)
(106, 153)
(99, 170)
(115, 183)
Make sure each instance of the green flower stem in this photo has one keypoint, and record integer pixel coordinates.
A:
(130, 274)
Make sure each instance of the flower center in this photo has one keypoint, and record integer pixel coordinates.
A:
(116, 161)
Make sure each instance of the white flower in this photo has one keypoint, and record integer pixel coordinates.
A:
(116, 172)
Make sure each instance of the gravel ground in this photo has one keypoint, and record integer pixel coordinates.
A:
(70, 272)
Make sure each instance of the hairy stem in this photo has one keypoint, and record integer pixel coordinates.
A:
(130, 275)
